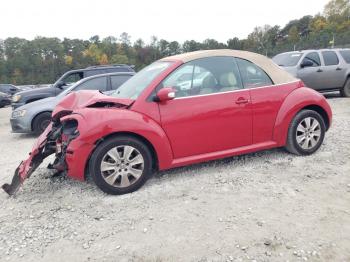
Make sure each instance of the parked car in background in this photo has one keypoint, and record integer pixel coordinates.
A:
(322, 70)
(5, 99)
(26, 87)
(10, 89)
(34, 117)
(65, 81)
(244, 103)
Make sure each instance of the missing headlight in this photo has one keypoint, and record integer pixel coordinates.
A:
(69, 127)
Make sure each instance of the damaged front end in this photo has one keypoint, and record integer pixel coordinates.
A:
(55, 139)
(61, 131)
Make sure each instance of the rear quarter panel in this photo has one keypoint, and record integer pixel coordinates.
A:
(267, 102)
(293, 103)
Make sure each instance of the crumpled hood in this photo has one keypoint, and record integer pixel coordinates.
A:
(82, 99)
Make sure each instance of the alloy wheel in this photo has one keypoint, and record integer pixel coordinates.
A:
(122, 166)
(308, 133)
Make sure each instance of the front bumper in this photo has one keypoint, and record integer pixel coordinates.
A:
(71, 154)
(21, 125)
(41, 149)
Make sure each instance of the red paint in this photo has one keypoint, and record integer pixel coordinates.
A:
(295, 101)
(210, 123)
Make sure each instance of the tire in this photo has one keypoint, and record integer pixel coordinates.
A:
(304, 137)
(119, 168)
(40, 122)
(345, 91)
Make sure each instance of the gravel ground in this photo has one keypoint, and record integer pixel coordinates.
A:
(267, 206)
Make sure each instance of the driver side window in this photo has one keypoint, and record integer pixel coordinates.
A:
(98, 83)
(72, 78)
(205, 76)
(314, 58)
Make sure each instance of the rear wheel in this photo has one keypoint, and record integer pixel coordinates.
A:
(40, 122)
(345, 91)
(306, 133)
(120, 165)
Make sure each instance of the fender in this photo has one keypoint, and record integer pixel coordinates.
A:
(38, 113)
(79, 151)
(297, 100)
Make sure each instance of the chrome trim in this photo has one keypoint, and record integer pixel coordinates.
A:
(234, 91)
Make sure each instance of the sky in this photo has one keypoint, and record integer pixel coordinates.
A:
(178, 20)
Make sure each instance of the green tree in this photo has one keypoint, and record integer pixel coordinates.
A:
(212, 44)
(234, 43)
(293, 35)
(190, 46)
(174, 48)
(337, 11)
(120, 59)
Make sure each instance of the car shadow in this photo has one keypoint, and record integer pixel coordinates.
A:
(223, 163)
(58, 182)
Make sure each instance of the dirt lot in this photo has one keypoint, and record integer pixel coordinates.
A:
(268, 206)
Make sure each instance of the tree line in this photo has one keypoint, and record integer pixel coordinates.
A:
(43, 60)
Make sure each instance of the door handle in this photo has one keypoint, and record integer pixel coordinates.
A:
(338, 68)
(241, 100)
(319, 71)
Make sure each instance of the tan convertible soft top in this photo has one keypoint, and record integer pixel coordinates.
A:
(277, 74)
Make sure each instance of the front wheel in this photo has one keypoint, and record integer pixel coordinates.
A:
(120, 165)
(306, 133)
(345, 91)
(40, 122)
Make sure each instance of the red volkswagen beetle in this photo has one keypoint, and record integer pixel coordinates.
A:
(180, 110)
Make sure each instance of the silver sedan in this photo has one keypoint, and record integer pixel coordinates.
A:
(34, 117)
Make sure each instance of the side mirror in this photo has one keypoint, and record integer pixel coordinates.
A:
(306, 63)
(165, 94)
(13, 89)
(60, 84)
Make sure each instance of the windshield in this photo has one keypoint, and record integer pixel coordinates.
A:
(132, 88)
(287, 59)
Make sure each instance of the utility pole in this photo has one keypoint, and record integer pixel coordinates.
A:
(332, 42)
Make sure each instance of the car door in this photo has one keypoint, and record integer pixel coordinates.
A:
(311, 75)
(211, 111)
(266, 99)
(333, 73)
